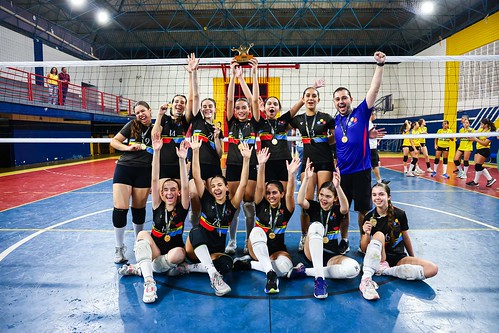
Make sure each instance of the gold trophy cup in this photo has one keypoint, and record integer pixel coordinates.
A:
(243, 57)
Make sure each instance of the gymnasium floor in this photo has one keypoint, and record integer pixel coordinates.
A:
(57, 272)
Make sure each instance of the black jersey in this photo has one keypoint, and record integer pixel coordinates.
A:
(273, 135)
(169, 223)
(204, 130)
(314, 131)
(245, 131)
(173, 134)
(394, 242)
(137, 158)
(216, 217)
(331, 220)
(273, 220)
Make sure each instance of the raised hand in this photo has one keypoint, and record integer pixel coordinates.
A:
(192, 63)
(183, 149)
(164, 108)
(377, 133)
(380, 57)
(293, 166)
(195, 142)
(263, 155)
(245, 150)
(309, 170)
(336, 178)
(157, 142)
(319, 83)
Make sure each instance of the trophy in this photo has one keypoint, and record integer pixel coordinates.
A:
(243, 57)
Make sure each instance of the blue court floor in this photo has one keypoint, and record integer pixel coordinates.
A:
(57, 274)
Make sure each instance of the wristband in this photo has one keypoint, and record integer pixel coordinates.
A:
(380, 64)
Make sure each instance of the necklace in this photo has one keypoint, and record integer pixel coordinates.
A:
(169, 219)
(325, 239)
(273, 220)
(219, 217)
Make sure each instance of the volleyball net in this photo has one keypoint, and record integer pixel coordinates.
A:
(434, 88)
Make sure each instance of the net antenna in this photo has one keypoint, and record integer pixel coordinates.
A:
(384, 104)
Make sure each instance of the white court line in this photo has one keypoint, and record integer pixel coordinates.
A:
(451, 214)
(30, 237)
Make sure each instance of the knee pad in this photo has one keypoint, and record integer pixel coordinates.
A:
(437, 160)
(223, 264)
(316, 231)
(446, 160)
(138, 215)
(257, 235)
(119, 217)
(347, 269)
(466, 163)
(282, 265)
(406, 158)
(143, 251)
(478, 167)
(373, 254)
(457, 163)
(409, 272)
(196, 237)
(414, 161)
(161, 264)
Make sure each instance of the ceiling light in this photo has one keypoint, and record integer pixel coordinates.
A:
(103, 16)
(77, 4)
(427, 8)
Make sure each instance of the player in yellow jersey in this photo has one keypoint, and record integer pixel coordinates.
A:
(409, 147)
(465, 148)
(422, 142)
(482, 153)
(442, 148)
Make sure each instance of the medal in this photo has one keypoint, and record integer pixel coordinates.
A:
(325, 240)
(373, 221)
(344, 139)
(274, 141)
(271, 235)
(167, 238)
(143, 146)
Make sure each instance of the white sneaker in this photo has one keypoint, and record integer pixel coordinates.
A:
(130, 270)
(119, 255)
(368, 289)
(150, 291)
(218, 284)
(410, 174)
(301, 245)
(230, 249)
(461, 175)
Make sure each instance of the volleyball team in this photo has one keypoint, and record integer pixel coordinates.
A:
(177, 161)
(414, 147)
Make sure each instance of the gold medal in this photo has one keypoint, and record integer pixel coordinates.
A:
(167, 238)
(143, 146)
(373, 221)
(274, 141)
(271, 235)
(344, 139)
(325, 240)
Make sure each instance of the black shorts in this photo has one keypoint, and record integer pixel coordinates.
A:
(208, 171)
(212, 239)
(169, 171)
(276, 170)
(442, 149)
(422, 144)
(357, 187)
(233, 172)
(485, 152)
(326, 166)
(325, 257)
(374, 158)
(394, 258)
(165, 246)
(410, 148)
(139, 177)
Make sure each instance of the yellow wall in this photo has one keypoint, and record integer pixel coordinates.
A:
(479, 34)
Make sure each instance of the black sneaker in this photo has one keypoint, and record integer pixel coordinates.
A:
(272, 286)
(344, 246)
(472, 183)
(490, 182)
(384, 181)
(242, 264)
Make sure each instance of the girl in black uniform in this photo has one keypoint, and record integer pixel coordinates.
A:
(162, 249)
(274, 208)
(242, 129)
(207, 241)
(385, 241)
(321, 244)
(132, 176)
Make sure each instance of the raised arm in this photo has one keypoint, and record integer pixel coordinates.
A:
(218, 141)
(255, 99)
(184, 178)
(319, 83)
(157, 128)
(309, 172)
(230, 90)
(192, 107)
(157, 143)
(263, 156)
(195, 144)
(372, 93)
(238, 196)
(344, 206)
(290, 189)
